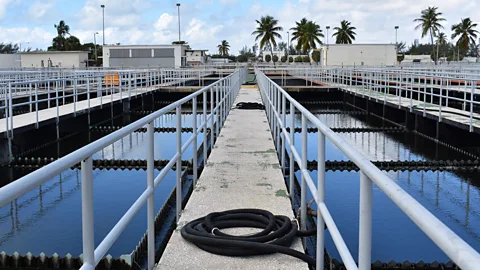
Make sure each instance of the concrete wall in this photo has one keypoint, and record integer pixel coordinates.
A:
(142, 62)
(127, 56)
(60, 59)
(277, 53)
(10, 61)
(358, 54)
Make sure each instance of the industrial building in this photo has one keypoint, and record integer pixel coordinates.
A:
(10, 61)
(358, 54)
(144, 56)
(66, 59)
(196, 57)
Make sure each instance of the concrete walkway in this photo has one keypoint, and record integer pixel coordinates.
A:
(242, 172)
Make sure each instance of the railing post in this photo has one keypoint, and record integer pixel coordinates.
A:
(205, 130)
(303, 196)
(217, 113)
(284, 126)
(292, 146)
(365, 230)
(474, 85)
(321, 199)
(195, 153)
(36, 105)
(87, 212)
(150, 201)
(212, 116)
(179, 162)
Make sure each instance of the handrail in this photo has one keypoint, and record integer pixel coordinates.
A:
(275, 99)
(222, 95)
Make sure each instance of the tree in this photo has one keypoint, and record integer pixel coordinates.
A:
(401, 46)
(255, 49)
(223, 48)
(267, 30)
(466, 33)
(307, 34)
(283, 59)
(298, 59)
(316, 56)
(268, 58)
(429, 22)
(72, 43)
(9, 48)
(290, 59)
(306, 59)
(275, 59)
(345, 34)
(244, 54)
(282, 46)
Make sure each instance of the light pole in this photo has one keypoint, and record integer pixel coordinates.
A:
(396, 43)
(103, 16)
(178, 10)
(21, 45)
(288, 44)
(95, 46)
(328, 27)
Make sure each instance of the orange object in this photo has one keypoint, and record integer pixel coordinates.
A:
(111, 79)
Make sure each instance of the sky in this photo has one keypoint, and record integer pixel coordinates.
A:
(205, 23)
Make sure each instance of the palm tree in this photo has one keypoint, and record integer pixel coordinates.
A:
(307, 34)
(466, 32)
(345, 33)
(267, 30)
(223, 48)
(441, 41)
(298, 32)
(429, 21)
(62, 28)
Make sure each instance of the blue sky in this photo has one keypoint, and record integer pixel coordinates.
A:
(206, 22)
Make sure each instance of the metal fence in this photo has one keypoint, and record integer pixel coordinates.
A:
(276, 100)
(221, 96)
(425, 90)
(84, 91)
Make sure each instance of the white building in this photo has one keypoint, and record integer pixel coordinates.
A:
(279, 54)
(196, 57)
(218, 61)
(10, 60)
(144, 55)
(65, 59)
(358, 55)
(417, 59)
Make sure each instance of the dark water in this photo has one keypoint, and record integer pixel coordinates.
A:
(452, 197)
(50, 220)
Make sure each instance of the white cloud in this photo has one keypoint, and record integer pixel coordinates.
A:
(3, 7)
(39, 9)
(37, 37)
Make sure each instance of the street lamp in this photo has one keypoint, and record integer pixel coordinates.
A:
(103, 16)
(21, 45)
(95, 45)
(178, 8)
(328, 27)
(396, 42)
(288, 44)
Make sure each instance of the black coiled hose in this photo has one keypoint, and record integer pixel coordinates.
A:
(277, 235)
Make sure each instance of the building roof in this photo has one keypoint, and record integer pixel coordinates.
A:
(149, 46)
(53, 52)
(196, 50)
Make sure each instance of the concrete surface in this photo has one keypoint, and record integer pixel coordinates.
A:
(242, 172)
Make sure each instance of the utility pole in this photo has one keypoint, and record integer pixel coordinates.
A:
(103, 15)
(396, 44)
(178, 8)
(95, 45)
